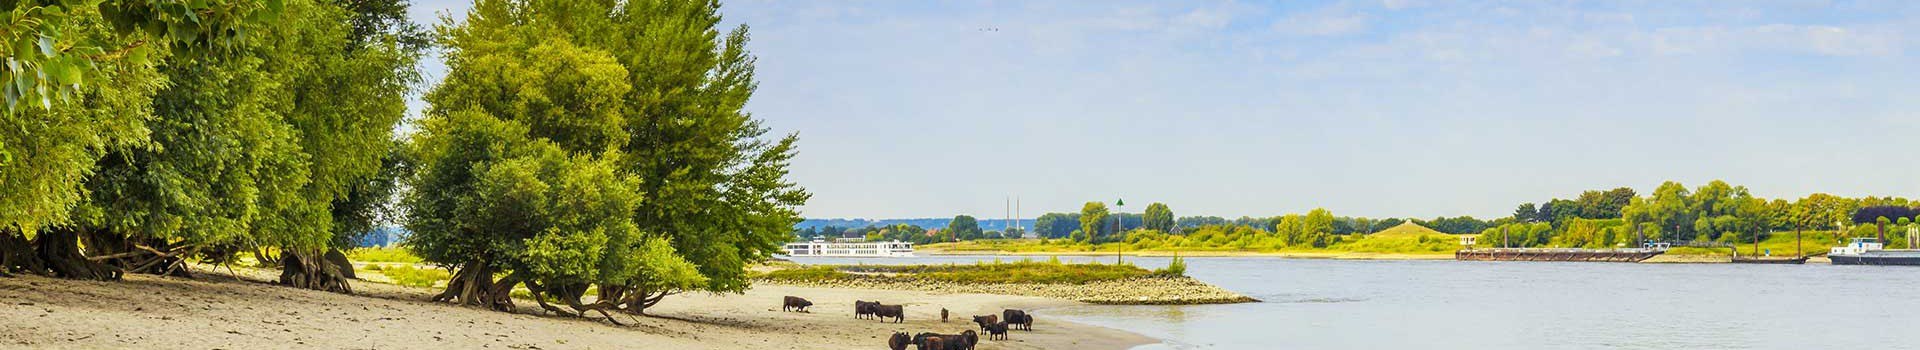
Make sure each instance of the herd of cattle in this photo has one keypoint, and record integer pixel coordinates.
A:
(995, 326)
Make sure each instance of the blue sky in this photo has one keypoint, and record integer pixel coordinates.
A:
(1373, 108)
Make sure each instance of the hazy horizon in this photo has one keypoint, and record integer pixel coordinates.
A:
(1392, 108)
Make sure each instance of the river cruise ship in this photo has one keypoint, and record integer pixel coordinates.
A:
(888, 249)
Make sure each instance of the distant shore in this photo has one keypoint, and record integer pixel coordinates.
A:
(1156, 253)
(1669, 258)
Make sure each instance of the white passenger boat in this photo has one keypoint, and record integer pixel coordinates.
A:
(888, 249)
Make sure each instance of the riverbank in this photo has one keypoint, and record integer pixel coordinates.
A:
(218, 310)
(1203, 253)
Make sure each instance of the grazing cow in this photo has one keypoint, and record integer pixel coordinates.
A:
(1020, 319)
(943, 315)
(897, 312)
(997, 331)
(970, 338)
(898, 341)
(863, 309)
(795, 303)
(983, 321)
(932, 342)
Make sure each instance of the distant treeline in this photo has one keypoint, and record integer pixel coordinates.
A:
(1715, 212)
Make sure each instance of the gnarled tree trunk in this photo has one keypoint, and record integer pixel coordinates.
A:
(329, 271)
(473, 284)
(58, 251)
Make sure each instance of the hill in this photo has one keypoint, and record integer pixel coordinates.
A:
(1406, 229)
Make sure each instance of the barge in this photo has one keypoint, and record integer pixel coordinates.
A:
(1869, 251)
(850, 249)
(1557, 254)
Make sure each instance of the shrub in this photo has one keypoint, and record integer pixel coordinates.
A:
(1178, 267)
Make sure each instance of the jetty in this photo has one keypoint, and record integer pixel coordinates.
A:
(1556, 254)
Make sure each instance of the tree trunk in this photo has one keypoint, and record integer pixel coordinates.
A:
(16, 254)
(315, 270)
(59, 252)
(473, 284)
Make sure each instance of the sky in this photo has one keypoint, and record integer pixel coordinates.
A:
(1395, 108)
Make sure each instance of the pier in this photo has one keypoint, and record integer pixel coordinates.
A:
(1556, 254)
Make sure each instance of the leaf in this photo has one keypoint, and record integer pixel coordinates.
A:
(46, 46)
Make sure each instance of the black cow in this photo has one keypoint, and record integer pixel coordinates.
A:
(961, 341)
(997, 331)
(897, 312)
(983, 321)
(863, 309)
(795, 303)
(1019, 319)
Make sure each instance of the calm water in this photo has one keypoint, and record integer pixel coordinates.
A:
(1327, 304)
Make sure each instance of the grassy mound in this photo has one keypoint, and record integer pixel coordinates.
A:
(1406, 229)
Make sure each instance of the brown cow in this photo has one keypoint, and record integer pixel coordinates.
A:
(898, 313)
(943, 315)
(795, 303)
(933, 342)
(898, 341)
(970, 338)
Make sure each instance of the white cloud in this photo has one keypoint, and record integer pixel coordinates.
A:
(1806, 39)
(1323, 23)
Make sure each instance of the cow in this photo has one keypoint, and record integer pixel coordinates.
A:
(997, 331)
(943, 315)
(1019, 319)
(933, 342)
(795, 303)
(863, 309)
(898, 313)
(970, 339)
(983, 321)
(898, 341)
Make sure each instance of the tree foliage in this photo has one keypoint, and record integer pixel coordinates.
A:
(1158, 217)
(1093, 221)
(649, 90)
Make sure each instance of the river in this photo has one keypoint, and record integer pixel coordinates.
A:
(1351, 304)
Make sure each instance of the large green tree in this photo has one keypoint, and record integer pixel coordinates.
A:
(80, 79)
(964, 227)
(1093, 220)
(652, 87)
(1158, 217)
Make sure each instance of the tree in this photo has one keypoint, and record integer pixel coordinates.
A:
(1056, 225)
(83, 77)
(1158, 217)
(1526, 212)
(1093, 219)
(1881, 215)
(964, 228)
(654, 89)
(1317, 227)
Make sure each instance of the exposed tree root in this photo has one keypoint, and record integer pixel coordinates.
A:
(315, 270)
(58, 251)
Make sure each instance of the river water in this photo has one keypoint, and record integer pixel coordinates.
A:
(1344, 304)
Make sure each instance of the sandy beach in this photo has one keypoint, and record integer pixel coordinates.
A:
(220, 312)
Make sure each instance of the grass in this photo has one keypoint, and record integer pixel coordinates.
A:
(1781, 243)
(1049, 272)
(407, 275)
(382, 255)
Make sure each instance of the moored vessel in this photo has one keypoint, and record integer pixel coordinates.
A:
(1869, 251)
(850, 249)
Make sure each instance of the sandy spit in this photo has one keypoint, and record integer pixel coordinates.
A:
(221, 312)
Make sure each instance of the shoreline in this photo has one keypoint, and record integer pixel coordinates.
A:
(1660, 259)
(221, 310)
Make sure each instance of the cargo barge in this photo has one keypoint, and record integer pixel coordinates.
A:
(1869, 251)
(1557, 254)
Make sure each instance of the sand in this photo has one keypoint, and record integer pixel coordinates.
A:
(220, 312)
